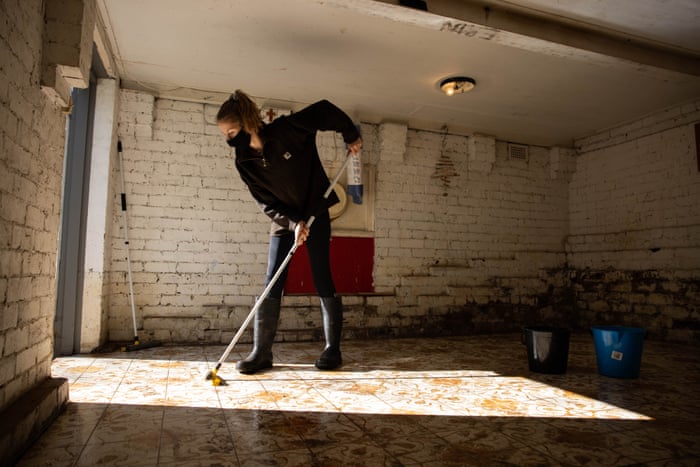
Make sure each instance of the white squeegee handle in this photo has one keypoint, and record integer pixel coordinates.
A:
(274, 278)
(126, 241)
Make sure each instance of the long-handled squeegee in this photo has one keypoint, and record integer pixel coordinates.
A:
(136, 345)
(212, 375)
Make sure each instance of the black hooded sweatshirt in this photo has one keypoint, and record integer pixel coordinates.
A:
(288, 179)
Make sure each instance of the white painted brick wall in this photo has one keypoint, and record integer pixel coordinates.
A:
(31, 167)
(635, 225)
(199, 243)
(636, 192)
(195, 233)
(497, 218)
(457, 223)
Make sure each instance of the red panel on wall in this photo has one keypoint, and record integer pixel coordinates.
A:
(352, 262)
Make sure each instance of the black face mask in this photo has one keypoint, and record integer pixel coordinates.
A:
(241, 139)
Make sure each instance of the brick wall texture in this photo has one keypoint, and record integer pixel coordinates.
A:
(467, 239)
(634, 242)
(31, 168)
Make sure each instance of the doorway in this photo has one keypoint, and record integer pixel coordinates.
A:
(71, 253)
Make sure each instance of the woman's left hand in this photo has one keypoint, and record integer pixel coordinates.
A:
(355, 146)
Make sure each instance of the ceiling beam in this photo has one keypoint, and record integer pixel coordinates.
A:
(541, 33)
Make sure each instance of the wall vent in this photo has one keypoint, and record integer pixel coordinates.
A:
(518, 152)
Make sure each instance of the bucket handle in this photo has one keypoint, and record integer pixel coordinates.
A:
(619, 333)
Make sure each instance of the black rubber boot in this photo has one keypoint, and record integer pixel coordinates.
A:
(264, 331)
(332, 310)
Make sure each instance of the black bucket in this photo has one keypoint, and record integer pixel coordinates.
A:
(547, 348)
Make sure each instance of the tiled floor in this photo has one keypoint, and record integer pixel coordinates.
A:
(412, 402)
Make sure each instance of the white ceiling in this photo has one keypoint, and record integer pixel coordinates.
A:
(547, 71)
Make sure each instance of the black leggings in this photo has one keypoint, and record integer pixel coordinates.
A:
(318, 246)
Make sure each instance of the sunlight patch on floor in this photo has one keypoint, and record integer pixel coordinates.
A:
(300, 387)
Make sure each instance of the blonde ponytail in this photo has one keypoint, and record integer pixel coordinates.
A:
(240, 108)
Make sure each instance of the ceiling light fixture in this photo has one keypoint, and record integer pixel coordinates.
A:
(457, 85)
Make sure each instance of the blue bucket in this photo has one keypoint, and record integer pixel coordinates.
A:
(618, 350)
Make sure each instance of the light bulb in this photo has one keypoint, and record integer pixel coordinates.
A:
(457, 85)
